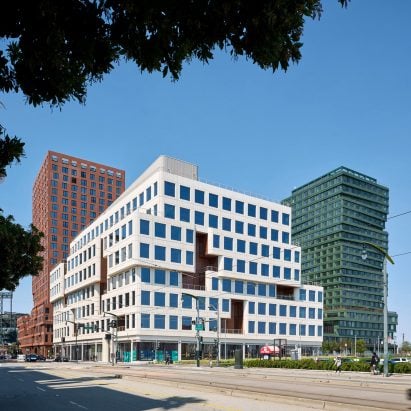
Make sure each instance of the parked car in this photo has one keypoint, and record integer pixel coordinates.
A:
(41, 357)
(397, 360)
(21, 357)
(31, 357)
(59, 358)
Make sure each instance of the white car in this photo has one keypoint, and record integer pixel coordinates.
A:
(397, 360)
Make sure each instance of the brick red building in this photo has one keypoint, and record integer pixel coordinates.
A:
(68, 194)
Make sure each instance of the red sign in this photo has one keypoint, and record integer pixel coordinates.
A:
(269, 349)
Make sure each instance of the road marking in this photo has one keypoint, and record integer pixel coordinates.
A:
(41, 389)
(78, 405)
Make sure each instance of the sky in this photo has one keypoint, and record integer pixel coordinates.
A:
(346, 103)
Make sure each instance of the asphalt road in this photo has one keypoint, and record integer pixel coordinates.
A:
(56, 386)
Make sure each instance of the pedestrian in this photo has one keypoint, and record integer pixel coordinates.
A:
(373, 363)
(337, 363)
(168, 359)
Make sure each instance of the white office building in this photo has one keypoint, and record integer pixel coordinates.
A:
(175, 258)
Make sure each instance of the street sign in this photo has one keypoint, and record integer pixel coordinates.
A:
(200, 327)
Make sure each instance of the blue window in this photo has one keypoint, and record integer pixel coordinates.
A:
(212, 325)
(287, 255)
(239, 227)
(228, 243)
(241, 266)
(159, 253)
(148, 193)
(213, 304)
(175, 233)
(160, 230)
(261, 327)
(187, 302)
(173, 322)
(251, 327)
(199, 218)
(241, 246)
(276, 271)
(214, 284)
(226, 224)
(226, 305)
(251, 307)
(263, 213)
(265, 250)
(189, 257)
(216, 241)
(159, 277)
(253, 248)
(185, 193)
(145, 297)
(274, 234)
(311, 330)
(303, 295)
(186, 323)
(272, 328)
(169, 189)
(145, 320)
(320, 331)
(175, 255)
(293, 329)
(159, 321)
(213, 200)
(159, 299)
(144, 250)
(271, 290)
(226, 203)
(302, 329)
(265, 270)
(253, 267)
(296, 275)
(285, 237)
(286, 219)
(311, 313)
(173, 300)
(263, 232)
(213, 221)
(293, 311)
(228, 264)
(320, 296)
(283, 328)
(250, 288)
(261, 308)
(144, 227)
(276, 253)
(320, 314)
(251, 230)
(184, 214)
(189, 236)
(287, 273)
(141, 199)
(302, 312)
(239, 287)
(227, 285)
(155, 189)
(283, 310)
(274, 216)
(262, 290)
(145, 275)
(199, 196)
(169, 211)
(311, 295)
(239, 207)
(251, 210)
(297, 256)
(272, 309)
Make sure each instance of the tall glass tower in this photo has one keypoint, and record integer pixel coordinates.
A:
(333, 217)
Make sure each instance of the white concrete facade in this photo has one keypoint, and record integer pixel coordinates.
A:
(170, 234)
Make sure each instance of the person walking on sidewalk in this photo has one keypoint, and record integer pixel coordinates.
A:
(337, 363)
(373, 363)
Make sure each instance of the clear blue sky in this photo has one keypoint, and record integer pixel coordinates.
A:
(346, 103)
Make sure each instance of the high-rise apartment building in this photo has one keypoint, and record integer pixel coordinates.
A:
(174, 256)
(333, 217)
(68, 194)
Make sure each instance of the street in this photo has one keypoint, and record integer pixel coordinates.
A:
(89, 386)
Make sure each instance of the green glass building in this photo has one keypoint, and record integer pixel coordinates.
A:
(332, 217)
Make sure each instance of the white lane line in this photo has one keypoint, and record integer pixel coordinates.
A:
(41, 389)
(78, 405)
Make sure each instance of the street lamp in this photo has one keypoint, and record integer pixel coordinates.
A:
(197, 324)
(385, 284)
(73, 311)
(212, 307)
(115, 343)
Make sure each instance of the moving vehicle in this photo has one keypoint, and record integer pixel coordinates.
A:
(31, 357)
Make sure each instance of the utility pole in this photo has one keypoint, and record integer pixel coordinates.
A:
(114, 324)
(218, 332)
(198, 325)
